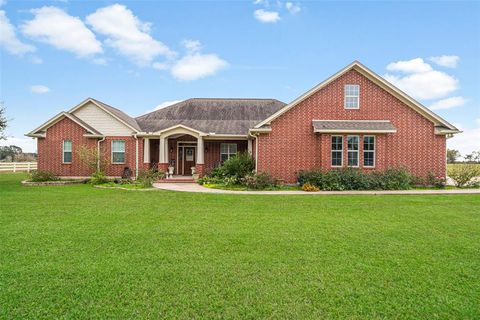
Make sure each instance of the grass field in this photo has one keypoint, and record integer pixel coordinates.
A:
(80, 252)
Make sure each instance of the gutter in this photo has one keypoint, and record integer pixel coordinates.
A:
(136, 155)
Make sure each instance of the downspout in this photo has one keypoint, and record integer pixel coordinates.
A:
(99, 154)
(136, 155)
(256, 153)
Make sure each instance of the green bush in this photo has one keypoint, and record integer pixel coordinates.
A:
(355, 179)
(259, 181)
(98, 177)
(42, 176)
(463, 174)
(238, 166)
(147, 177)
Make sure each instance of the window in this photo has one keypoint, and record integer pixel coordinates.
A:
(337, 151)
(118, 151)
(369, 151)
(352, 151)
(67, 151)
(352, 95)
(227, 150)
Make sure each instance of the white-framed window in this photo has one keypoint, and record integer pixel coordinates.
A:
(118, 151)
(337, 151)
(352, 96)
(67, 151)
(369, 151)
(227, 150)
(352, 151)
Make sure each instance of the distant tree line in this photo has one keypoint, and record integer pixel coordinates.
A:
(15, 154)
(454, 155)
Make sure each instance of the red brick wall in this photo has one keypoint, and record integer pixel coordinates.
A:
(292, 145)
(50, 151)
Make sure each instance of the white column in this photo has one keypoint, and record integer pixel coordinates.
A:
(146, 150)
(166, 150)
(200, 151)
(161, 156)
(250, 148)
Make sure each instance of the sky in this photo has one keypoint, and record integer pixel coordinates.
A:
(142, 55)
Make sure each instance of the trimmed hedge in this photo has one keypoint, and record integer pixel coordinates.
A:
(355, 179)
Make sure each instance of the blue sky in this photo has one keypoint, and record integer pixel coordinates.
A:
(138, 55)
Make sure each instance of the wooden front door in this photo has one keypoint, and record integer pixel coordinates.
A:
(188, 159)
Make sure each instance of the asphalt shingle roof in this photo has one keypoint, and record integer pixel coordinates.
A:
(372, 125)
(221, 116)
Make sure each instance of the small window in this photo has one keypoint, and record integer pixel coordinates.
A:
(118, 151)
(227, 150)
(352, 96)
(352, 151)
(67, 151)
(337, 151)
(369, 151)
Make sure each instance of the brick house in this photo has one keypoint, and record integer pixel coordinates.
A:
(355, 118)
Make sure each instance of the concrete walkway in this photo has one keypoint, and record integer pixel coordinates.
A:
(194, 187)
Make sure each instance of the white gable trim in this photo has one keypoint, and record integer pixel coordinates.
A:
(38, 132)
(181, 126)
(415, 105)
(90, 100)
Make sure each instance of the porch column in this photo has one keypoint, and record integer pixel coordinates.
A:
(161, 149)
(250, 147)
(146, 150)
(200, 151)
(166, 151)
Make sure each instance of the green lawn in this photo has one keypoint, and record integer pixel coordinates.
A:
(80, 252)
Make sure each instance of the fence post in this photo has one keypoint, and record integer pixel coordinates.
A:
(28, 167)
(14, 167)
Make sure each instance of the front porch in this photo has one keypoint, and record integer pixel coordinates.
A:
(184, 154)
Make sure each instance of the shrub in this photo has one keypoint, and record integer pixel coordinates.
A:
(238, 166)
(432, 181)
(463, 174)
(147, 177)
(355, 179)
(42, 176)
(310, 187)
(98, 177)
(259, 181)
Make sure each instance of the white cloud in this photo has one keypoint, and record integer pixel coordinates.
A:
(63, 31)
(448, 103)
(465, 142)
(410, 66)
(420, 80)
(192, 45)
(100, 61)
(36, 60)
(265, 16)
(8, 38)
(293, 8)
(446, 61)
(127, 34)
(27, 144)
(161, 66)
(477, 121)
(196, 66)
(39, 89)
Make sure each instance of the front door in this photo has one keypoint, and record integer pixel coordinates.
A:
(188, 160)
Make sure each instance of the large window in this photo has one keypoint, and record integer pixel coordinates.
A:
(227, 150)
(67, 151)
(352, 150)
(352, 96)
(337, 151)
(369, 151)
(118, 151)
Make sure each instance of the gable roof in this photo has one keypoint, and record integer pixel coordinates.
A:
(39, 132)
(219, 116)
(415, 105)
(114, 112)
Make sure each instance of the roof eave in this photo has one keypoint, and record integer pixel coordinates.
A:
(352, 131)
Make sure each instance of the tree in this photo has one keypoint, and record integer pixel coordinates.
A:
(9, 152)
(452, 155)
(473, 157)
(3, 121)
